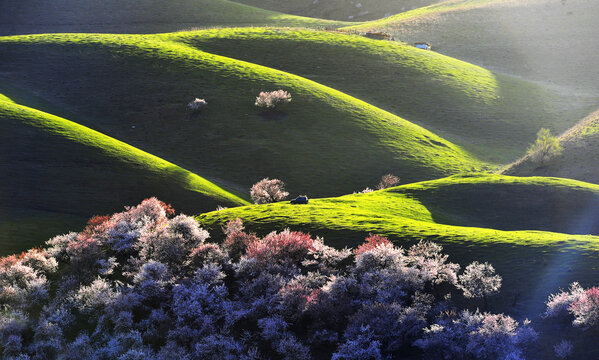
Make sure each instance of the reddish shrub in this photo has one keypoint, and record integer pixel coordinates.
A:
(281, 247)
(371, 242)
(388, 181)
(586, 309)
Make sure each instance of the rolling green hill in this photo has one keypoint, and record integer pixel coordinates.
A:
(135, 88)
(149, 16)
(578, 159)
(56, 174)
(354, 10)
(500, 219)
(491, 115)
(553, 42)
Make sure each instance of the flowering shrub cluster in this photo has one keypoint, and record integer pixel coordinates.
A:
(582, 304)
(145, 284)
(272, 99)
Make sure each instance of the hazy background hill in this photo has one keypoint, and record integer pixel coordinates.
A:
(552, 42)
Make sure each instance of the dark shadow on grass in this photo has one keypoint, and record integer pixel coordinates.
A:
(273, 115)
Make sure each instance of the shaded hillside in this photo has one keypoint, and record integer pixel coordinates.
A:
(578, 159)
(528, 38)
(136, 88)
(354, 10)
(493, 116)
(127, 16)
(57, 173)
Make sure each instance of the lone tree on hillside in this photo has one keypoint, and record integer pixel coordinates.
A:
(388, 181)
(545, 147)
(267, 191)
(479, 281)
(271, 99)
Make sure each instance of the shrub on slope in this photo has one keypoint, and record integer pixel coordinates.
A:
(145, 284)
(578, 159)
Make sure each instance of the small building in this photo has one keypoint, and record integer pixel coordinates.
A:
(423, 45)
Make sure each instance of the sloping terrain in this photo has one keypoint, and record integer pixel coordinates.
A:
(492, 115)
(578, 159)
(135, 88)
(56, 173)
(127, 16)
(553, 42)
(354, 10)
(459, 208)
(515, 216)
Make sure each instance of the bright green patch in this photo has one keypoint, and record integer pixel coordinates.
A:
(427, 209)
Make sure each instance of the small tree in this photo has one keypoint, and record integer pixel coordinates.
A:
(267, 191)
(479, 281)
(545, 147)
(272, 99)
(197, 104)
(388, 181)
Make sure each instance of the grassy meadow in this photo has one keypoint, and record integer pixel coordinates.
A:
(94, 116)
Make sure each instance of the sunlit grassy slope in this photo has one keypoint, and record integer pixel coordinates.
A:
(578, 159)
(554, 42)
(324, 142)
(494, 116)
(473, 209)
(56, 173)
(500, 219)
(340, 9)
(148, 16)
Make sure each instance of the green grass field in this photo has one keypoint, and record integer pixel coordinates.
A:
(323, 143)
(520, 225)
(491, 115)
(57, 173)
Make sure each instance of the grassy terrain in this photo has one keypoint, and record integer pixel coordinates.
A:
(137, 87)
(149, 16)
(493, 116)
(528, 38)
(579, 157)
(354, 10)
(520, 225)
(57, 173)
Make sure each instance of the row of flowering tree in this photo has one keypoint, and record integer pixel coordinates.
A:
(145, 284)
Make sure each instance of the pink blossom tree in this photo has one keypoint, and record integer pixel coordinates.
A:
(268, 191)
(388, 181)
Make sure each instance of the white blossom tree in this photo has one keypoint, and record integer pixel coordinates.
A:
(479, 281)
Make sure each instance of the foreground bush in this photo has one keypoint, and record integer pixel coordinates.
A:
(145, 284)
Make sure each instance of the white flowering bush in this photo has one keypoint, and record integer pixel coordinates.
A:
(197, 104)
(272, 99)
